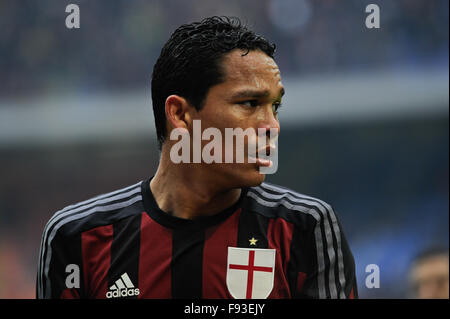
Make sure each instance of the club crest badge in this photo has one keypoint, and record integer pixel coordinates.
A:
(250, 272)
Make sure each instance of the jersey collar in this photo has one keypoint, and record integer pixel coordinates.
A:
(168, 220)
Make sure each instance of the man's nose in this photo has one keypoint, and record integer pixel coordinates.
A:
(269, 123)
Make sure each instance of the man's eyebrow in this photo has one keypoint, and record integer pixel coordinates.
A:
(249, 93)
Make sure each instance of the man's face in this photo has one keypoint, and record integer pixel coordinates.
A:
(430, 278)
(248, 98)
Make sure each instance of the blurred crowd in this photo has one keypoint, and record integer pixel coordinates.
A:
(119, 41)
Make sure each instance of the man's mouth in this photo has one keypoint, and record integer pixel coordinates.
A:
(262, 157)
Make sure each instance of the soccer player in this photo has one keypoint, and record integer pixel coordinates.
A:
(202, 230)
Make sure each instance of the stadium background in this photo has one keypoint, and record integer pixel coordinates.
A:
(364, 122)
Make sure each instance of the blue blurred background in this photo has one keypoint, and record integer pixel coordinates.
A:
(364, 125)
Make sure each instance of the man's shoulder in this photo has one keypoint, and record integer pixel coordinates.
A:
(101, 210)
(282, 202)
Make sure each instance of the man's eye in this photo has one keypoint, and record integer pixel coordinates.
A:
(250, 103)
(276, 106)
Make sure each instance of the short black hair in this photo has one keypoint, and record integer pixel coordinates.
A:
(189, 63)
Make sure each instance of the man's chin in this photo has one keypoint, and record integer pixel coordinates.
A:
(257, 180)
(250, 178)
(240, 175)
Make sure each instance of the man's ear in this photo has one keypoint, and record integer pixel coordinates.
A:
(177, 112)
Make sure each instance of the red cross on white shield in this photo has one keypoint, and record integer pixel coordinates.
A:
(250, 272)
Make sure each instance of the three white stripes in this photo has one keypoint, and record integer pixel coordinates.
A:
(285, 193)
(123, 287)
(75, 212)
(123, 282)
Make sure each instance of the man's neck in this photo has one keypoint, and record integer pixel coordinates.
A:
(184, 191)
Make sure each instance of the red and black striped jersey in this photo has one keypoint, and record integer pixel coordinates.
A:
(272, 243)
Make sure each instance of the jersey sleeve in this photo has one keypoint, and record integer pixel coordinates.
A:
(326, 266)
(60, 264)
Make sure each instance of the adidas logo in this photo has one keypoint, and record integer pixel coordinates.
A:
(123, 287)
